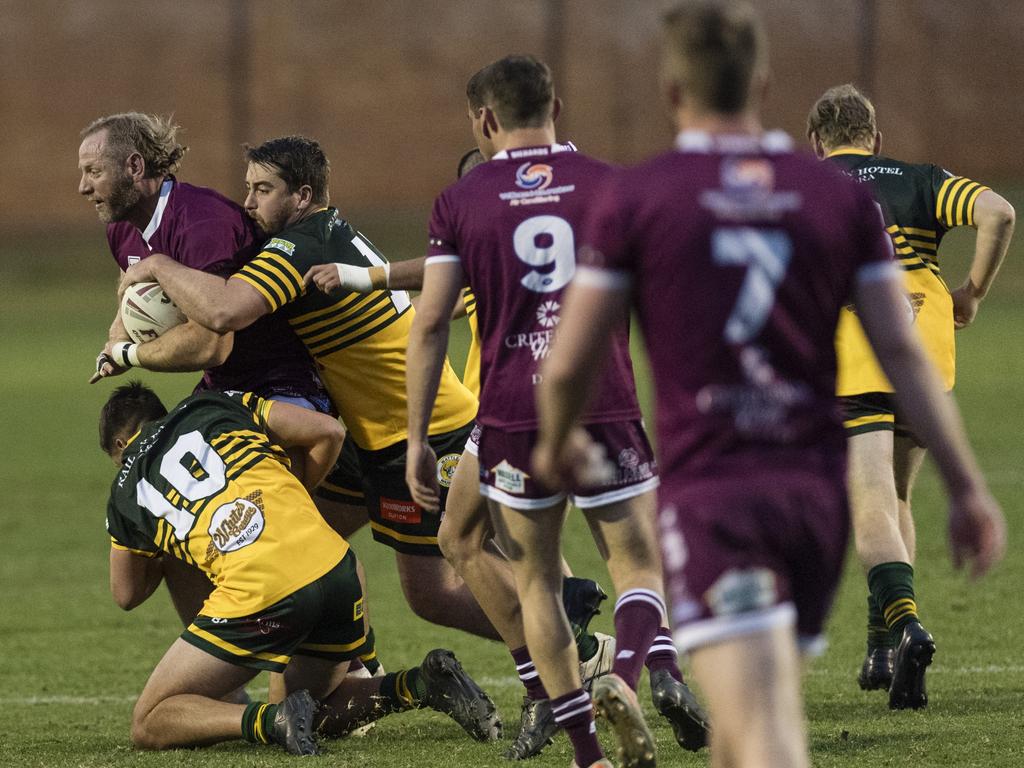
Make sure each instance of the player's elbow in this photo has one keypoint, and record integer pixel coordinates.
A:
(126, 597)
(224, 320)
(218, 349)
(995, 213)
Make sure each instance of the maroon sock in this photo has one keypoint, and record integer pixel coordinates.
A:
(575, 713)
(528, 673)
(637, 618)
(663, 654)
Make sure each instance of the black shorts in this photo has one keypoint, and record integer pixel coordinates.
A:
(872, 412)
(322, 619)
(377, 478)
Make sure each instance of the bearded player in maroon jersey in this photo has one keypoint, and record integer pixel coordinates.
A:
(738, 255)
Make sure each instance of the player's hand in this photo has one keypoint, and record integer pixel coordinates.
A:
(326, 277)
(421, 476)
(105, 365)
(965, 305)
(977, 531)
(143, 271)
(579, 462)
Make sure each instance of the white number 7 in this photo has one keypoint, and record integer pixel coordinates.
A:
(766, 254)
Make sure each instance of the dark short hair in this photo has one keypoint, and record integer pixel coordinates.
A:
(128, 408)
(842, 116)
(712, 49)
(518, 88)
(154, 137)
(469, 161)
(298, 161)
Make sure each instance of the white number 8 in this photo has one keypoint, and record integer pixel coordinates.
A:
(540, 241)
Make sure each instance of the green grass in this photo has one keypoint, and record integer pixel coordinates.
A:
(71, 662)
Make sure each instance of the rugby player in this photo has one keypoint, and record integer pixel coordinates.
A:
(127, 163)
(209, 483)
(358, 342)
(506, 230)
(920, 203)
(466, 536)
(739, 254)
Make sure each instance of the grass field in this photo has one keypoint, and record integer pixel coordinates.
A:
(71, 663)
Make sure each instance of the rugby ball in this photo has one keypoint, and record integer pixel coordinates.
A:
(147, 312)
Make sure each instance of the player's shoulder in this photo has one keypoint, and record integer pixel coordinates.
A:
(203, 203)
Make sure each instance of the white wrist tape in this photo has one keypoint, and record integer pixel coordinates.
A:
(125, 354)
(363, 279)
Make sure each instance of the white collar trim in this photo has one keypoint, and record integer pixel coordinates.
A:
(771, 142)
(158, 214)
(550, 149)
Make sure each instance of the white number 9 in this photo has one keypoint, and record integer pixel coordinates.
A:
(543, 240)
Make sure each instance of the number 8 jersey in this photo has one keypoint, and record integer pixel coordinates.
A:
(512, 224)
(206, 485)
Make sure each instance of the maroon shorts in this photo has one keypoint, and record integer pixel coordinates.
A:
(505, 467)
(744, 552)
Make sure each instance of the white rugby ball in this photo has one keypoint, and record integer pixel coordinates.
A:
(147, 312)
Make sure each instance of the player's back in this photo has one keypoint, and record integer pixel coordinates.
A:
(514, 223)
(205, 484)
(744, 253)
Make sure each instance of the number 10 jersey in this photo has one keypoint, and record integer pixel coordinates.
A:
(513, 226)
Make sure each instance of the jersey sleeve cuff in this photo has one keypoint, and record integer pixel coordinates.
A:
(608, 279)
(445, 258)
(878, 271)
(115, 544)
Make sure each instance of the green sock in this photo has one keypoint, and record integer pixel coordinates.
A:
(402, 690)
(258, 722)
(586, 643)
(878, 632)
(892, 585)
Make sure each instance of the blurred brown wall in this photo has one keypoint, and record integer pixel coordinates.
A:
(381, 83)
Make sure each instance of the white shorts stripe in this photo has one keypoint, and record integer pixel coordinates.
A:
(721, 628)
(517, 502)
(616, 495)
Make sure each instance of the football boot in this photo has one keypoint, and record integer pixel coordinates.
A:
(451, 691)
(876, 671)
(294, 724)
(675, 702)
(616, 702)
(914, 654)
(537, 727)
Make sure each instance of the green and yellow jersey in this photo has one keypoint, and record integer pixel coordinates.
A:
(919, 203)
(206, 485)
(357, 339)
(471, 375)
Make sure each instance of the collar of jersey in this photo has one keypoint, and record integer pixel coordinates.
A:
(849, 151)
(161, 206)
(771, 142)
(545, 149)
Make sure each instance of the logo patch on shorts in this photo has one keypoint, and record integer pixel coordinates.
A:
(736, 592)
(446, 469)
(398, 511)
(237, 524)
(509, 479)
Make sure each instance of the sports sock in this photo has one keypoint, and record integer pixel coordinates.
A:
(402, 690)
(370, 660)
(528, 673)
(575, 713)
(258, 722)
(878, 632)
(663, 654)
(638, 615)
(892, 585)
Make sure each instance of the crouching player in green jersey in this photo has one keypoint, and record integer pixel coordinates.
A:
(209, 483)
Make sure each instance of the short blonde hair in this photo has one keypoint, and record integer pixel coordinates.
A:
(713, 48)
(152, 136)
(843, 116)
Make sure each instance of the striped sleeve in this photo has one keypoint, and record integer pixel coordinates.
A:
(274, 277)
(954, 201)
(115, 544)
(259, 408)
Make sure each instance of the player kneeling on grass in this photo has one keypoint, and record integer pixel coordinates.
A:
(209, 483)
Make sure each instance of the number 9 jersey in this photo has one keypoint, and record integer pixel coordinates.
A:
(512, 225)
(206, 485)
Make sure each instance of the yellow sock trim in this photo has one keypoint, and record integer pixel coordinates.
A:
(899, 609)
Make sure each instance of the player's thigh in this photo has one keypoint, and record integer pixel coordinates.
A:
(466, 522)
(531, 537)
(341, 497)
(186, 669)
(872, 488)
(625, 531)
(908, 457)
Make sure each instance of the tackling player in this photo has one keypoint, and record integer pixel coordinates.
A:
(209, 483)
(507, 229)
(739, 254)
(920, 203)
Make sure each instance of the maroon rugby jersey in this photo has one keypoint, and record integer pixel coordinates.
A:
(741, 253)
(202, 229)
(513, 224)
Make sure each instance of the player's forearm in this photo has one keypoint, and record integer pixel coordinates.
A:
(994, 218)
(133, 578)
(319, 460)
(186, 347)
(428, 345)
(200, 295)
(407, 275)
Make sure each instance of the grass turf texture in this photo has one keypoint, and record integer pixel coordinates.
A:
(72, 663)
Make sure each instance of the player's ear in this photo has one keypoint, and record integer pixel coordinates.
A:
(490, 123)
(877, 150)
(817, 146)
(305, 193)
(556, 109)
(135, 166)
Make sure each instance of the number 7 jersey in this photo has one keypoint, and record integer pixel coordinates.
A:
(513, 226)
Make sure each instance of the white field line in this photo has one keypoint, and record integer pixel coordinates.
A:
(487, 683)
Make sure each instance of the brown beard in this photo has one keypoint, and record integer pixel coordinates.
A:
(123, 197)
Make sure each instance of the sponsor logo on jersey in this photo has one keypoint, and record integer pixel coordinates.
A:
(446, 469)
(547, 314)
(399, 511)
(508, 478)
(237, 524)
(742, 591)
(748, 191)
(534, 176)
(286, 246)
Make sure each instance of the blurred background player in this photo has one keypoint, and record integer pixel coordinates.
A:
(506, 230)
(210, 484)
(920, 203)
(466, 535)
(739, 254)
(127, 162)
